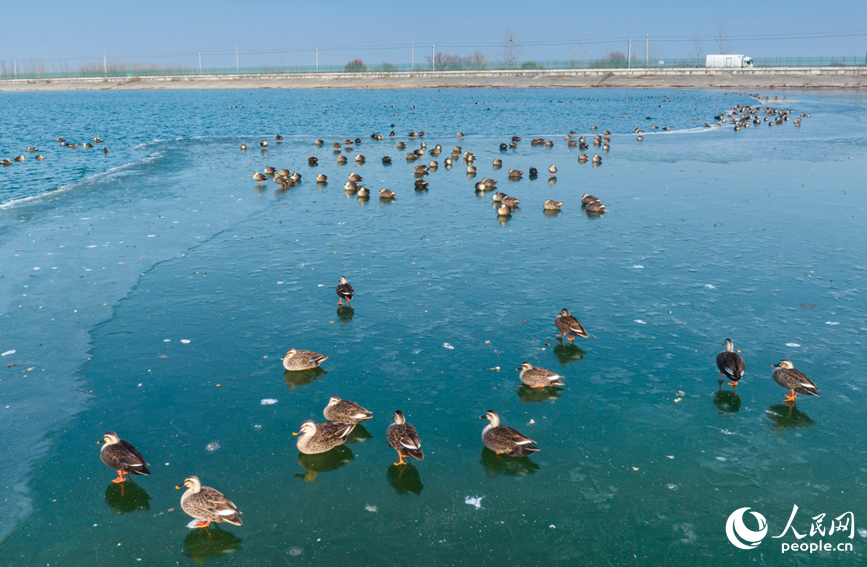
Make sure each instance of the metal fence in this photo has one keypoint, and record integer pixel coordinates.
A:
(120, 72)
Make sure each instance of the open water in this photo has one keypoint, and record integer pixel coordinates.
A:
(152, 290)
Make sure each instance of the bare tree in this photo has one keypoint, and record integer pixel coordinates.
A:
(696, 47)
(578, 53)
(722, 39)
(512, 49)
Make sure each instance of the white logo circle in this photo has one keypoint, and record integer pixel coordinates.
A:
(737, 531)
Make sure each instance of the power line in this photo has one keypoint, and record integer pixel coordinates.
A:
(475, 45)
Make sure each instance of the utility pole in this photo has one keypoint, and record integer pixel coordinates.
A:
(237, 68)
(646, 46)
(200, 62)
(412, 56)
(432, 57)
(15, 64)
(104, 66)
(629, 54)
(317, 59)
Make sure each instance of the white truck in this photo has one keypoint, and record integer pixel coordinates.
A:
(728, 61)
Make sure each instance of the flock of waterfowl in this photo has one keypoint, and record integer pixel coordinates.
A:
(63, 143)
(503, 203)
(206, 504)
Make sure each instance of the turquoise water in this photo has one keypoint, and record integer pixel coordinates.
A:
(109, 262)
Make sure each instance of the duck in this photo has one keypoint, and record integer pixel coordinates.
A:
(640, 138)
(312, 160)
(595, 207)
(386, 159)
(403, 438)
(515, 174)
(363, 193)
(64, 139)
(534, 172)
(296, 360)
(19, 158)
(359, 159)
(345, 411)
(421, 184)
(319, 142)
(420, 169)
(264, 144)
(122, 457)
(342, 159)
(586, 199)
(321, 178)
(504, 210)
(498, 162)
(433, 165)
(386, 194)
(788, 377)
(448, 162)
(569, 325)
(551, 205)
(270, 170)
(207, 504)
(6, 161)
(355, 177)
(553, 170)
(350, 186)
(511, 201)
(39, 157)
(344, 291)
(489, 182)
(243, 147)
(538, 377)
(730, 363)
(259, 177)
(315, 438)
(497, 197)
(32, 149)
(504, 440)
(284, 172)
(295, 177)
(481, 187)
(471, 169)
(279, 138)
(105, 150)
(97, 140)
(582, 158)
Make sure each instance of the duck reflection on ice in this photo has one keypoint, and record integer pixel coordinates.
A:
(788, 415)
(345, 313)
(405, 479)
(503, 464)
(567, 352)
(359, 434)
(726, 401)
(324, 462)
(530, 395)
(303, 377)
(127, 497)
(210, 543)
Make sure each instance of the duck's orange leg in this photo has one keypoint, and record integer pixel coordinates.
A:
(401, 461)
(120, 477)
(203, 524)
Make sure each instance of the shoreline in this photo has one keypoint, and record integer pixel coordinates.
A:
(755, 78)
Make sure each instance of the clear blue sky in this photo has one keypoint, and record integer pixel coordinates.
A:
(271, 32)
